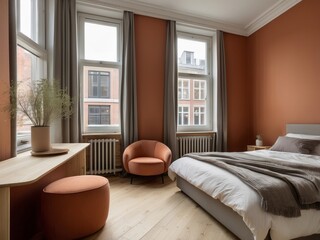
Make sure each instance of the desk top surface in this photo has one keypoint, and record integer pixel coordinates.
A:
(25, 168)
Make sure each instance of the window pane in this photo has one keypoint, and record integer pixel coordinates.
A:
(203, 116)
(183, 89)
(196, 115)
(199, 89)
(196, 94)
(180, 119)
(192, 56)
(183, 115)
(29, 19)
(185, 119)
(101, 42)
(199, 116)
(94, 120)
(99, 84)
(106, 104)
(105, 84)
(190, 113)
(98, 115)
(29, 68)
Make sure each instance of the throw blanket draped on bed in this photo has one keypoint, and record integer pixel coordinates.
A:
(284, 187)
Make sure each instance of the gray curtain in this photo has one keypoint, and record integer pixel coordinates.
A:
(13, 68)
(221, 96)
(128, 96)
(170, 88)
(66, 66)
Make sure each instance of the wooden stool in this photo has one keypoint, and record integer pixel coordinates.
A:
(75, 207)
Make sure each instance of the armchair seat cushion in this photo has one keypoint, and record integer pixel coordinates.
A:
(146, 166)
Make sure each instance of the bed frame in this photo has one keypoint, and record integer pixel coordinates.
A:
(224, 214)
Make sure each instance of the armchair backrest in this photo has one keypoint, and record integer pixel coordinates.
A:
(147, 148)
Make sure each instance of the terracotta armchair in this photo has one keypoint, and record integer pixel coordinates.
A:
(147, 158)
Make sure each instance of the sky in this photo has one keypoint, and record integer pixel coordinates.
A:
(100, 42)
(25, 17)
(198, 47)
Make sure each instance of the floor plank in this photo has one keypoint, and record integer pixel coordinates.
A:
(148, 209)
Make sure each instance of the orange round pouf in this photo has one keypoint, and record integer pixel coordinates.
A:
(75, 207)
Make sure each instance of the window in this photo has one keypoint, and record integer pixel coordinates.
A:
(195, 82)
(183, 89)
(183, 115)
(99, 84)
(199, 115)
(99, 115)
(188, 57)
(31, 58)
(100, 68)
(199, 90)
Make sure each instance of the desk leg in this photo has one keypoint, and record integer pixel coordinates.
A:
(5, 213)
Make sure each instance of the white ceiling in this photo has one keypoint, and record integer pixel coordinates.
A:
(236, 16)
(239, 12)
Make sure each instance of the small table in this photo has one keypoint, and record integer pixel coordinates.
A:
(254, 147)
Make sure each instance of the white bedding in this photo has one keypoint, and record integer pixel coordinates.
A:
(231, 191)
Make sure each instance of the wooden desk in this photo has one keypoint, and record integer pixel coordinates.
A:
(26, 169)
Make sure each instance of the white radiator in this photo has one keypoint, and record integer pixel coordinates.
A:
(103, 156)
(190, 144)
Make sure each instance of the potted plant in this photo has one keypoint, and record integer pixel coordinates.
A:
(41, 102)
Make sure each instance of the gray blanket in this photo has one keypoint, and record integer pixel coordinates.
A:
(285, 187)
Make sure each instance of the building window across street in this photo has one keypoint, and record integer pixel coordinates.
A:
(99, 84)
(183, 115)
(99, 115)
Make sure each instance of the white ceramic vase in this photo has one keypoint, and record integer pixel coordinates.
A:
(40, 139)
(259, 142)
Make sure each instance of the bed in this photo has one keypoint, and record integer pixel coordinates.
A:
(236, 205)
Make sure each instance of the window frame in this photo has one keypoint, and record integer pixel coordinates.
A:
(39, 50)
(92, 18)
(193, 34)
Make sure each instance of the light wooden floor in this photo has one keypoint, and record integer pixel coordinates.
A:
(150, 210)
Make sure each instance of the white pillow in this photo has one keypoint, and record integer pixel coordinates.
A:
(303, 136)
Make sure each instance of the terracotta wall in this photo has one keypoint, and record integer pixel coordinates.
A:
(150, 64)
(239, 92)
(150, 39)
(4, 81)
(284, 64)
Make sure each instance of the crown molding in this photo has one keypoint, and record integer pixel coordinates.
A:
(151, 10)
(269, 15)
(193, 20)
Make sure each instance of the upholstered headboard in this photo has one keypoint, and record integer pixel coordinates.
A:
(311, 129)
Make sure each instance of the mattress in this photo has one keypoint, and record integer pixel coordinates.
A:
(232, 192)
